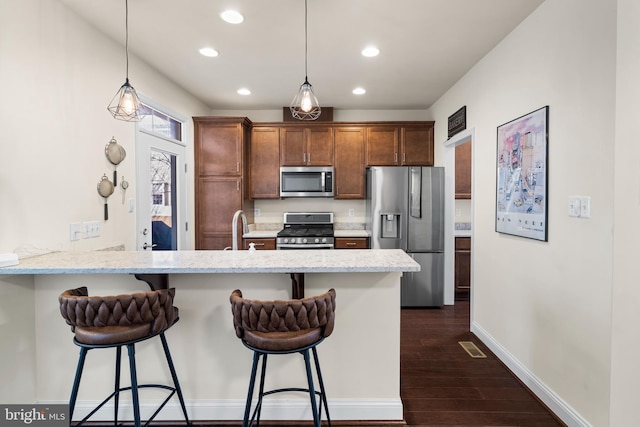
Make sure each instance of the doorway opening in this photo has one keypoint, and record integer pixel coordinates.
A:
(459, 211)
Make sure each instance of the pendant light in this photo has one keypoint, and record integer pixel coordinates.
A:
(305, 104)
(125, 105)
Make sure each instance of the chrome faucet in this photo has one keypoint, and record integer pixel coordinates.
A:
(234, 228)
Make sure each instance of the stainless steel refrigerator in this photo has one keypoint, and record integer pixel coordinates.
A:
(405, 210)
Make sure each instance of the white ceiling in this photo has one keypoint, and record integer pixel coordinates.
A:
(425, 46)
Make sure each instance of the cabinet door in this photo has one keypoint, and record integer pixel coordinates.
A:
(292, 147)
(217, 200)
(382, 146)
(320, 146)
(264, 180)
(349, 163)
(218, 148)
(463, 171)
(462, 273)
(417, 146)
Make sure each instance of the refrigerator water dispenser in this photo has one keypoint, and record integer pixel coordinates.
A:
(390, 228)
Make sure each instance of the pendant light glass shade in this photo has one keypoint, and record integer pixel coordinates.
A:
(125, 105)
(305, 105)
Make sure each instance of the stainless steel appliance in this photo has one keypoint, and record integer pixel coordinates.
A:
(405, 210)
(306, 230)
(306, 181)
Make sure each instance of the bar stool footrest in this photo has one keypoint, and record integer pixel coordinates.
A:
(173, 391)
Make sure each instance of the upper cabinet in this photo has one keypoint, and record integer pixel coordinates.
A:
(306, 146)
(401, 144)
(219, 145)
(417, 145)
(349, 163)
(264, 181)
(463, 171)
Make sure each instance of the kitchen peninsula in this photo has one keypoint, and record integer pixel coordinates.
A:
(361, 360)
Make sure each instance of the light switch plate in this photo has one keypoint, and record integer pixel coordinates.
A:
(580, 206)
(91, 229)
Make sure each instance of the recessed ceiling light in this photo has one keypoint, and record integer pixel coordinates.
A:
(232, 16)
(359, 91)
(370, 51)
(244, 91)
(209, 51)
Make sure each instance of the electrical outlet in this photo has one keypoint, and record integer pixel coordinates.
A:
(76, 231)
(352, 212)
(256, 212)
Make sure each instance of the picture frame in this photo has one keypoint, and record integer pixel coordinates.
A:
(522, 176)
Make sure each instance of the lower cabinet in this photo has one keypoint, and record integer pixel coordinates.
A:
(261, 244)
(462, 274)
(351, 243)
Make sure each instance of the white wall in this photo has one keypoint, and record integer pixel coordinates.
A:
(625, 348)
(58, 76)
(547, 305)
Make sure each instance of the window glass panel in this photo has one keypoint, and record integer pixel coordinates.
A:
(160, 123)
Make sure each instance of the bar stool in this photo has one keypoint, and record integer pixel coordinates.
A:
(114, 322)
(284, 327)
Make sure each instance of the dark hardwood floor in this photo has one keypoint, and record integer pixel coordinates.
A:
(441, 385)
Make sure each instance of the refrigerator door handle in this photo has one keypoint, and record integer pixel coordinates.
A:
(415, 192)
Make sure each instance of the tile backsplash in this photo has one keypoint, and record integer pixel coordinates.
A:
(271, 211)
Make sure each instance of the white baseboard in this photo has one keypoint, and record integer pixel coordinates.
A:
(273, 409)
(559, 407)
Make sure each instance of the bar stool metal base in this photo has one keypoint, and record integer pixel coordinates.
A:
(84, 349)
(316, 409)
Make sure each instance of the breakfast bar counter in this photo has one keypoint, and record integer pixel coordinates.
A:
(361, 359)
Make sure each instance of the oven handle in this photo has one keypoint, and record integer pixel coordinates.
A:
(310, 246)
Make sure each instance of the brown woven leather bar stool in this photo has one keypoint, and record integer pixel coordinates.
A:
(284, 327)
(114, 322)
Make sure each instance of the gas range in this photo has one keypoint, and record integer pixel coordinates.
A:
(306, 230)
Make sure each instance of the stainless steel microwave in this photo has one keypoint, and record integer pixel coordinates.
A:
(306, 181)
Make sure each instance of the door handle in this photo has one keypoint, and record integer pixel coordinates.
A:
(146, 246)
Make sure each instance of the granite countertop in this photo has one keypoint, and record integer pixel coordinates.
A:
(163, 262)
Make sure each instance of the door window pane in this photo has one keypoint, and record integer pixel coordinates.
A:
(163, 201)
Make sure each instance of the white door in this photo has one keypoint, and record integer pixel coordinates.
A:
(161, 219)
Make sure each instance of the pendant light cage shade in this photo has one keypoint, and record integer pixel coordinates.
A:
(305, 104)
(125, 105)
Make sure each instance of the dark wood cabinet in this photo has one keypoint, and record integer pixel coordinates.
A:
(463, 171)
(417, 145)
(261, 243)
(306, 146)
(233, 146)
(402, 144)
(264, 180)
(221, 160)
(218, 146)
(349, 179)
(383, 145)
(462, 273)
(351, 243)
